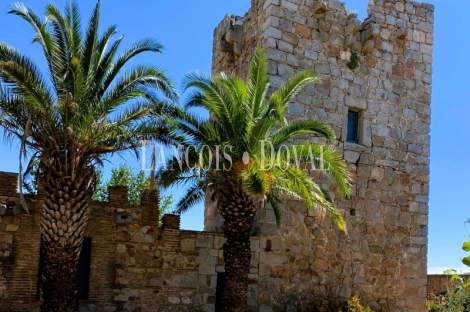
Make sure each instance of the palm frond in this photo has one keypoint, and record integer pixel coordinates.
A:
(258, 81)
(192, 197)
(90, 42)
(280, 99)
(73, 18)
(325, 158)
(24, 77)
(302, 127)
(141, 46)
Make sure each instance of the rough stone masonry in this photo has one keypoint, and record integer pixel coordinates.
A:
(382, 259)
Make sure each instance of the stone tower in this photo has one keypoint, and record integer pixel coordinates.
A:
(380, 111)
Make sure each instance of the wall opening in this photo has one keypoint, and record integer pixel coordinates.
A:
(353, 127)
(41, 266)
(84, 262)
(219, 291)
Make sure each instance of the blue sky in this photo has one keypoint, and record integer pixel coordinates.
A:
(185, 28)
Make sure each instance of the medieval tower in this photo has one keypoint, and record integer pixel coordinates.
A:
(376, 94)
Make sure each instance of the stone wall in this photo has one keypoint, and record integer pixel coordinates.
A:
(135, 265)
(382, 258)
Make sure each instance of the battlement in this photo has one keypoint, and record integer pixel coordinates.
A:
(117, 206)
(391, 29)
(8, 188)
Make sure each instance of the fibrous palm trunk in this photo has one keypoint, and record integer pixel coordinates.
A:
(63, 223)
(238, 210)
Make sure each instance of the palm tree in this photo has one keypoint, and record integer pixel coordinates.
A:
(237, 140)
(84, 108)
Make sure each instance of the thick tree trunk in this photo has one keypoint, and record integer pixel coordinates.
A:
(238, 210)
(62, 224)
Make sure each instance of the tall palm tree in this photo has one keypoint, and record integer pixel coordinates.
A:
(82, 109)
(237, 140)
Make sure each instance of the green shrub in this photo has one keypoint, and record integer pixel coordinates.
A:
(457, 301)
(354, 305)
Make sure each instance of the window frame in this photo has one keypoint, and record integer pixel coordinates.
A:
(357, 117)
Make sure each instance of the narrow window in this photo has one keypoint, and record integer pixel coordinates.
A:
(41, 268)
(84, 262)
(353, 124)
(219, 291)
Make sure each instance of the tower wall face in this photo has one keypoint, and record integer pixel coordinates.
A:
(382, 258)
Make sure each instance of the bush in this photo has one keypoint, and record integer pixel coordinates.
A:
(354, 305)
(458, 301)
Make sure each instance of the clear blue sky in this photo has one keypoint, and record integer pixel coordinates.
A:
(186, 27)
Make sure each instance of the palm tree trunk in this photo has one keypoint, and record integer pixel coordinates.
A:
(238, 210)
(63, 223)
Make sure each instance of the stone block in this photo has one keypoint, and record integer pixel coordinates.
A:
(353, 26)
(4, 246)
(234, 34)
(254, 245)
(219, 242)
(272, 258)
(204, 241)
(370, 33)
(12, 228)
(289, 5)
(319, 7)
(368, 46)
(302, 31)
(224, 46)
(356, 102)
(238, 48)
(349, 41)
(272, 32)
(207, 269)
(188, 245)
(138, 237)
(351, 157)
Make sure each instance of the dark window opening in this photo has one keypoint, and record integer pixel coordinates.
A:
(84, 262)
(219, 291)
(41, 266)
(353, 125)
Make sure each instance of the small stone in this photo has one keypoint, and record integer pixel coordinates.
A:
(12, 228)
(138, 237)
(303, 31)
(120, 248)
(149, 239)
(3, 209)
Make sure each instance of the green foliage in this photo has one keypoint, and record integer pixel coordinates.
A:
(135, 182)
(353, 61)
(451, 302)
(466, 248)
(30, 182)
(244, 117)
(459, 299)
(91, 101)
(354, 305)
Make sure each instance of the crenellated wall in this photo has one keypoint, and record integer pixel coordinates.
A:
(382, 258)
(134, 264)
